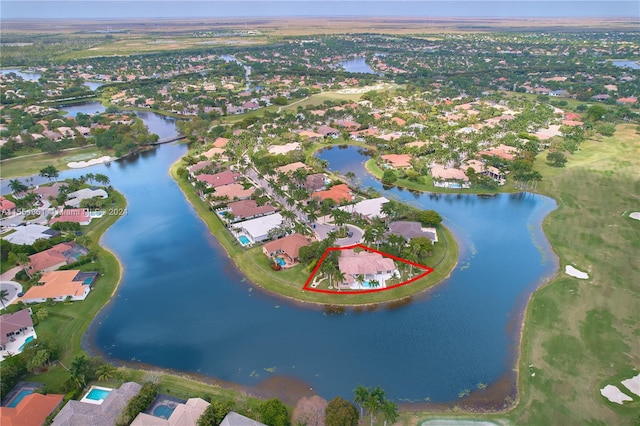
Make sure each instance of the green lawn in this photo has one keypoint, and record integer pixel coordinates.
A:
(31, 164)
(581, 335)
(289, 283)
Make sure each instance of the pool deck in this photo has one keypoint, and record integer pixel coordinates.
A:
(94, 401)
(162, 399)
(13, 347)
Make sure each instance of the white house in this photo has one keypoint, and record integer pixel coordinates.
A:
(84, 194)
(368, 209)
(258, 229)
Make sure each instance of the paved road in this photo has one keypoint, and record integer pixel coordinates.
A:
(262, 183)
(13, 288)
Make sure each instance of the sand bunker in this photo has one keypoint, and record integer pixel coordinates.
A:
(633, 384)
(614, 394)
(92, 162)
(570, 270)
(635, 215)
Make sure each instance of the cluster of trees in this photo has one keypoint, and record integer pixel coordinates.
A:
(138, 404)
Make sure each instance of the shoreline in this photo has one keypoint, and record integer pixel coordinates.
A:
(234, 257)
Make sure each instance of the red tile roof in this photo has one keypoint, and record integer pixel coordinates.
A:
(6, 204)
(338, 193)
(31, 411)
(249, 208)
(50, 257)
(219, 179)
(289, 245)
(56, 284)
(397, 160)
(72, 215)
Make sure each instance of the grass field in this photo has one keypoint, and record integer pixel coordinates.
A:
(32, 164)
(580, 335)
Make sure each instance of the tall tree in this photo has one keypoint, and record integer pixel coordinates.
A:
(50, 172)
(341, 412)
(4, 297)
(17, 187)
(273, 412)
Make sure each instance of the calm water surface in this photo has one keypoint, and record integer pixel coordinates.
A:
(183, 305)
(356, 65)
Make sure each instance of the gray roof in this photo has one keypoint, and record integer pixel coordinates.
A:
(13, 322)
(235, 419)
(409, 230)
(77, 413)
(28, 234)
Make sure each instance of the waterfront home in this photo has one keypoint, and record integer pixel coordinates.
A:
(505, 152)
(219, 179)
(29, 234)
(80, 216)
(183, 414)
(367, 209)
(235, 419)
(292, 167)
(287, 249)
(101, 412)
(200, 165)
(7, 207)
(449, 177)
(15, 330)
(482, 169)
(397, 161)
(315, 182)
(339, 193)
(76, 197)
(49, 192)
(33, 409)
(258, 229)
(248, 209)
(360, 269)
(327, 131)
(216, 153)
(235, 191)
(55, 257)
(409, 230)
(60, 285)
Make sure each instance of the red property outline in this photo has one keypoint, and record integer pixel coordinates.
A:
(427, 269)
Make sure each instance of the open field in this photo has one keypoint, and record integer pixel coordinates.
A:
(580, 335)
(31, 164)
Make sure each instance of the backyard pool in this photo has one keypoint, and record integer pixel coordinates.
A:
(280, 261)
(96, 395)
(29, 339)
(163, 411)
(244, 240)
(16, 400)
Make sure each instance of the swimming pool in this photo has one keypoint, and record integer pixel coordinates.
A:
(244, 240)
(29, 339)
(280, 261)
(16, 400)
(96, 395)
(163, 411)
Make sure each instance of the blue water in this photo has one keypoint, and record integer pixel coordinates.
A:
(635, 65)
(244, 240)
(28, 76)
(280, 261)
(461, 333)
(98, 394)
(19, 397)
(356, 65)
(163, 411)
(85, 108)
(27, 340)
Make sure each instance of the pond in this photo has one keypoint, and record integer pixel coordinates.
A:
(357, 65)
(627, 64)
(26, 75)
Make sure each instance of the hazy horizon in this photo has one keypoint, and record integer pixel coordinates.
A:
(190, 9)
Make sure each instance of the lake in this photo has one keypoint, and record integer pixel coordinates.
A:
(627, 64)
(26, 75)
(85, 108)
(356, 65)
(183, 305)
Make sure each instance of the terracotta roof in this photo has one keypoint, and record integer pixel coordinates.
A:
(56, 284)
(220, 142)
(31, 411)
(50, 257)
(398, 160)
(326, 130)
(364, 262)
(337, 193)
(219, 179)
(399, 121)
(438, 171)
(49, 191)
(292, 167)
(232, 191)
(6, 204)
(289, 245)
(13, 322)
(72, 215)
(249, 208)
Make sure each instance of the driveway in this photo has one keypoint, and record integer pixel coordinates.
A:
(13, 288)
(322, 231)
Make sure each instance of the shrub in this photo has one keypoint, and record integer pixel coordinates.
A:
(138, 404)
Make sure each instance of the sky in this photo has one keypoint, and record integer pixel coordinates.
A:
(122, 9)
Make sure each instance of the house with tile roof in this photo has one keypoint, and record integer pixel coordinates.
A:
(32, 410)
(14, 328)
(55, 257)
(397, 161)
(77, 413)
(292, 167)
(235, 419)
(367, 209)
(315, 182)
(46, 192)
(6, 206)
(248, 209)
(328, 131)
(339, 193)
(369, 266)
(200, 165)
(59, 285)
(80, 216)
(235, 191)
(410, 229)
(227, 177)
(287, 248)
(186, 414)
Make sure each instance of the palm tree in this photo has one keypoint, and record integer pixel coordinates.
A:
(361, 395)
(339, 276)
(103, 179)
(4, 297)
(105, 372)
(16, 186)
(360, 279)
(389, 411)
